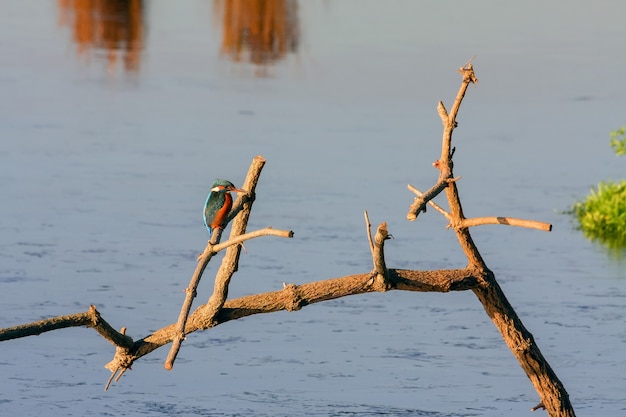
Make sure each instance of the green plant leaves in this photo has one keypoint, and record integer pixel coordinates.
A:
(618, 141)
(602, 215)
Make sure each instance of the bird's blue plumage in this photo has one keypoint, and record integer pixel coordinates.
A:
(218, 204)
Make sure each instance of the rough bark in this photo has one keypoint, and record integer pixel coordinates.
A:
(219, 309)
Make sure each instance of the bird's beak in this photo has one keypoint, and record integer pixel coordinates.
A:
(229, 189)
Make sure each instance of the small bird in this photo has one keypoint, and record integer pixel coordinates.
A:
(218, 204)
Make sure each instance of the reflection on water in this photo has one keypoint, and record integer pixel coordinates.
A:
(613, 246)
(259, 31)
(113, 26)
(100, 153)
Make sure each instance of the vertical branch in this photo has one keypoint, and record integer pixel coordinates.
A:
(380, 274)
(450, 123)
(446, 166)
(377, 248)
(231, 258)
(519, 340)
(230, 263)
(380, 266)
(368, 225)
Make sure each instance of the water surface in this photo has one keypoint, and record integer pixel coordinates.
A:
(111, 138)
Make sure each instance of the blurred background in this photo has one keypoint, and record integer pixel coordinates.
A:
(116, 116)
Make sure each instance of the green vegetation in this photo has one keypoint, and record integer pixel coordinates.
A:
(602, 215)
(618, 141)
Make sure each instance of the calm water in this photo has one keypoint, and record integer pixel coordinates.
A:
(114, 122)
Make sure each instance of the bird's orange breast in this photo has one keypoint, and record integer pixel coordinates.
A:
(222, 213)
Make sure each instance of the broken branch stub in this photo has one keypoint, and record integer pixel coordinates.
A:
(475, 277)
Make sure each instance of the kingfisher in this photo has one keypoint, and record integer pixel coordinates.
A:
(218, 204)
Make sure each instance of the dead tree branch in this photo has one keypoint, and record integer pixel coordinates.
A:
(90, 318)
(520, 341)
(242, 208)
(508, 221)
(479, 221)
(291, 298)
(476, 276)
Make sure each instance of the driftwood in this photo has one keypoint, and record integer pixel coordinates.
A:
(476, 276)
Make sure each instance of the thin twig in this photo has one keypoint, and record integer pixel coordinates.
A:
(190, 294)
(368, 232)
(434, 205)
(538, 407)
(420, 202)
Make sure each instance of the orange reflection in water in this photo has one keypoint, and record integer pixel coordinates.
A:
(114, 26)
(259, 31)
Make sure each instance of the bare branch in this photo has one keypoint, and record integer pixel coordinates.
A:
(436, 206)
(294, 297)
(230, 261)
(475, 277)
(90, 318)
(468, 77)
(368, 226)
(518, 338)
(468, 63)
(419, 203)
(538, 407)
(508, 221)
(379, 254)
(242, 206)
(190, 294)
(268, 231)
(443, 113)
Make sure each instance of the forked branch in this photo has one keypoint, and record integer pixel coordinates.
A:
(241, 213)
(475, 276)
(520, 341)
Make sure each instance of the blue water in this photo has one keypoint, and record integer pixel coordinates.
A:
(104, 172)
